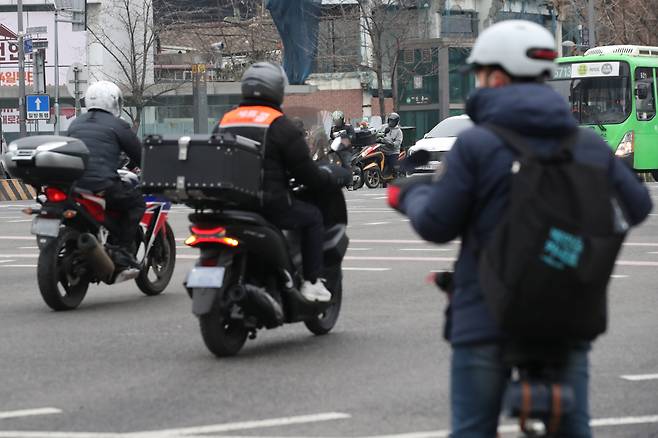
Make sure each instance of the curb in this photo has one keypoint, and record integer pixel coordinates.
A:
(16, 190)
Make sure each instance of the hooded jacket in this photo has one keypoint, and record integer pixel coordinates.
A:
(470, 196)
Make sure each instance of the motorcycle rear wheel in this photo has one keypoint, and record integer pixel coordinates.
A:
(373, 178)
(223, 338)
(159, 263)
(59, 288)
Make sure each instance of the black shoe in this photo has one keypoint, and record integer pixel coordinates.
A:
(124, 259)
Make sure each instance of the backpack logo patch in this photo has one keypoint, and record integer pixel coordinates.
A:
(562, 249)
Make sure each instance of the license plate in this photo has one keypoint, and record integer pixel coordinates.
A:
(434, 165)
(205, 277)
(45, 227)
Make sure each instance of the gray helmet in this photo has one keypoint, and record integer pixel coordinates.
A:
(338, 118)
(393, 120)
(264, 81)
(522, 48)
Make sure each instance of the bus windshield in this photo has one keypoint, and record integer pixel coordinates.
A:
(596, 100)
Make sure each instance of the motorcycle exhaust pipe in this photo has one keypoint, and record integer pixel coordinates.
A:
(98, 259)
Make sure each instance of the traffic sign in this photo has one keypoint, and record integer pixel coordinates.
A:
(38, 106)
(77, 80)
(27, 44)
(37, 30)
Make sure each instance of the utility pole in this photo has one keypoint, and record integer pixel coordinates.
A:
(57, 125)
(591, 23)
(22, 115)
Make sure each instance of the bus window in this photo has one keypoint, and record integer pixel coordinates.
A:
(645, 99)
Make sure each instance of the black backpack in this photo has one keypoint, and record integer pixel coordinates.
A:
(545, 271)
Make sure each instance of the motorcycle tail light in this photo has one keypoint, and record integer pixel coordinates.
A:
(210, 235)
(53, 194)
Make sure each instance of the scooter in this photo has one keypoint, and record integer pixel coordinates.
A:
(373, 163)
(249, 273)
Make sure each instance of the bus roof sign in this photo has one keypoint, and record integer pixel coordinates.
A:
(586, 70)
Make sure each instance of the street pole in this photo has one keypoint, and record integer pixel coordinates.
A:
(21, 72)
(56, 70)
(591, 23)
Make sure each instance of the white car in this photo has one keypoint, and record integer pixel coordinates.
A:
(440, 140)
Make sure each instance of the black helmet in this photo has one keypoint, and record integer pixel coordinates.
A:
(264, 81)
(393, 120)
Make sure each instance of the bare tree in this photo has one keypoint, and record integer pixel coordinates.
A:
(388, 25)
(125, 29)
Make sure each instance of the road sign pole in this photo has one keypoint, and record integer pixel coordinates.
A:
(57, 126)
(76, 76)
(21, 72)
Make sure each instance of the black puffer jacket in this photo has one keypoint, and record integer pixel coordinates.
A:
(106, 136)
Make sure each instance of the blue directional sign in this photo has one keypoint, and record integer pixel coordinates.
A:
(27, 45)
(38, 106)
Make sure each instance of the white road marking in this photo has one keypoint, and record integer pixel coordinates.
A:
(17, 237)
(514, 428)
(7, 261)
(639, 377)
(618, 276)
(243, 425)
(10, 217)
(19, 221)
(29, 413)
(377, 223)
(47, 434)
(428, 249)
(28, 247)
(358, 249)
(18, 266)
(402, 242)
(345, 268)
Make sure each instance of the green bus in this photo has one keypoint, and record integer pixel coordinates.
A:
(612, 89)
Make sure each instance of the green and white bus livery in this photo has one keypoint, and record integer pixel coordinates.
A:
(612, 89)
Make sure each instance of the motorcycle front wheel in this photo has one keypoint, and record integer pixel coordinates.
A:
(373, 178)
(358, 179)
(60, 287)
(159, 264)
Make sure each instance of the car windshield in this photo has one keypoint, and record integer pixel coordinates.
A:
(598, 100)
(450, 127)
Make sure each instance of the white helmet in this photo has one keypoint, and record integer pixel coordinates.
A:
(522, 48)
(106, 96)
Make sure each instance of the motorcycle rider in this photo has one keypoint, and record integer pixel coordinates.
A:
(392, 141)
(106, 136)
(347, 134)
(259, 117)
(511, 61)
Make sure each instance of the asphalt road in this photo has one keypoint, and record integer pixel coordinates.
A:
(129, 366)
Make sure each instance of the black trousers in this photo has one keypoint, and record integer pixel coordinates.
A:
(307, 219)
(390, 163)
(128, 202)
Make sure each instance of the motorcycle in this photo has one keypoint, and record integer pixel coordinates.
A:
(249, 273)
(74, 230)
(372, 162)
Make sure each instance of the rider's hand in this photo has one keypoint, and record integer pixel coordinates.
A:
(397, 188)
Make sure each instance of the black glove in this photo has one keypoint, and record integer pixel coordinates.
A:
(339, 175)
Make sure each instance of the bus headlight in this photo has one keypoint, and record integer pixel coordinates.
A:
(626, 145)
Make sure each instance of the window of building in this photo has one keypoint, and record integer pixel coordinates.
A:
(459, 24)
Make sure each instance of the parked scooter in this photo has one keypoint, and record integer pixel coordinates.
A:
(75, 231)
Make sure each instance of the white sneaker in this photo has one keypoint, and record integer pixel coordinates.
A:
(315, 291)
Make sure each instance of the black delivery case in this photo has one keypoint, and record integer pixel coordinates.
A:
(219, 170)
(364, 137)
(43, 160)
